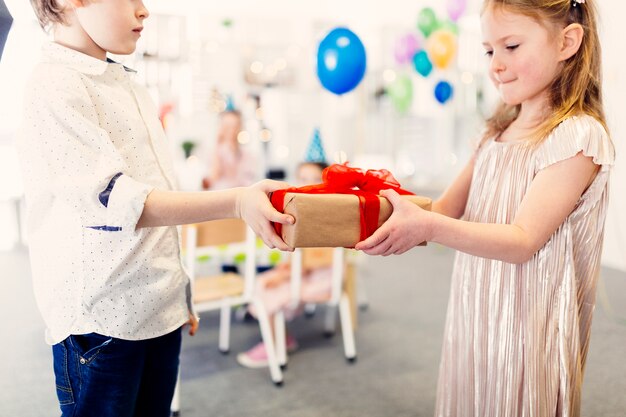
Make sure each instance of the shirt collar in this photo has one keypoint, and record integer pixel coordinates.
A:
(59, 54)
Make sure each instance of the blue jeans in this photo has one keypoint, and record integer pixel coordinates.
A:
(102, 376)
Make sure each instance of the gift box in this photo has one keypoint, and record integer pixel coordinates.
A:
(331, 220)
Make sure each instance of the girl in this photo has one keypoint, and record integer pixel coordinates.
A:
(274, 286)
(527, 216)
(231, 164)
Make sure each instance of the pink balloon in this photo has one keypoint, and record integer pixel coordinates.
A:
(455, 8)
(406, 47)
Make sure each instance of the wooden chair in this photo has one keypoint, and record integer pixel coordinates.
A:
(221, 291)
(339, 299)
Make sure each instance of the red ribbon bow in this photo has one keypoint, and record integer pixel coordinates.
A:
(342, 179)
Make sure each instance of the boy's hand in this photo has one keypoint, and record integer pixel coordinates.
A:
(193, 324)
(254, 207)
(406, 227)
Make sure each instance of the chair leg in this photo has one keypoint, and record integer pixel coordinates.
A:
(363, 301)
(241, 313)
(346, 328)
(224, 341)
(281, 339)
(175, 407)
(268, 340)
(330, 320)
(309, 310)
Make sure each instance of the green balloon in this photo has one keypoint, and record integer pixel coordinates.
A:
(427, 21)
(448, 25)
(401, 93)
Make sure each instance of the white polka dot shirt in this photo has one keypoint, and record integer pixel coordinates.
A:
(91, 149)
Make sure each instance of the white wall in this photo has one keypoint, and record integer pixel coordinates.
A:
(362, 16)
(614, 60)
(21, 53)
(367, 13)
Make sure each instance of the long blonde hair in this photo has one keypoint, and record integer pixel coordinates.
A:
(577, 89)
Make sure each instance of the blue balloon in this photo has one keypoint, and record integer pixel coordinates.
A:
(341, 61)
(422, 64)
(443, 91)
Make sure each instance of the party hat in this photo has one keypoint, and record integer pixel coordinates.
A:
(230, 105)
(315, 151)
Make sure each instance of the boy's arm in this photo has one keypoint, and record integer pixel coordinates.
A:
(551, 197)
(167, 208)
(66, 151)
(72, 160)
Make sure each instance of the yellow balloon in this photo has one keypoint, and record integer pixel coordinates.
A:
(441, 47)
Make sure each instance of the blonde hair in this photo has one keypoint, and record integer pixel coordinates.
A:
(577, 89)
(48, 12)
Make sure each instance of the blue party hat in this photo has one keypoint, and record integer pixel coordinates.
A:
(230, 105)
(315, 151)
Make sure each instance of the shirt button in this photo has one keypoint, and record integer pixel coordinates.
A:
(83, 361)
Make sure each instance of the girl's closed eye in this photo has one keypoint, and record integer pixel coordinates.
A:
(508, 48)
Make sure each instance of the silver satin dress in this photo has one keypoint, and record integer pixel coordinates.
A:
(517, 336)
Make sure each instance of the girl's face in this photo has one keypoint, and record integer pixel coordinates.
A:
(523, 55)
(113, 25)
(230, 127)
(309, 174)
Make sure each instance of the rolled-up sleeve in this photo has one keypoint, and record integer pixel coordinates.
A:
(126, 202)
(83, 167)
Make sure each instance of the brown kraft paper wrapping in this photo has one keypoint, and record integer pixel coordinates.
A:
(331, 220)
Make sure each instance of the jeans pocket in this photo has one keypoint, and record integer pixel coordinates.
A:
(62, 374)
(89, 346)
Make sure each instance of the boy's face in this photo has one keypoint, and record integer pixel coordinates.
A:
(309, 174)
(113, 25)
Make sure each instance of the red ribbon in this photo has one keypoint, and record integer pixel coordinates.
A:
(342, 179)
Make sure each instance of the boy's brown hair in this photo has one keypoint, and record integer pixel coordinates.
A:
(48, 12)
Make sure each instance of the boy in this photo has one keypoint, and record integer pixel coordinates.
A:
(99, 184)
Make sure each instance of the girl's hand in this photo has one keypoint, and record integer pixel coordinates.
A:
(193, 324)
(254, 207)
(406, 227)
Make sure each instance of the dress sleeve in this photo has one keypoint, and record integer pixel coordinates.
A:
(580, 134)
(83, 168)
(577, 134)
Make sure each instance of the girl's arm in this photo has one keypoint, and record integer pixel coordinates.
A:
(552, 196)
(169, 208)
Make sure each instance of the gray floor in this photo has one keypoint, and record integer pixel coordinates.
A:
(398, 344)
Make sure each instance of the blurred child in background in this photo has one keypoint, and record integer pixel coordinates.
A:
(230, 165)
(274, 286)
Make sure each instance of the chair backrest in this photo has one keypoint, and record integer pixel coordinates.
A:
(315, 258)
(198, 237)
(216, 232)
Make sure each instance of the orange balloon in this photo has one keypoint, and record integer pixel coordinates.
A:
(441, 47)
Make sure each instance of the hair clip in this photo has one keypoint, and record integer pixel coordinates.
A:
(577, 2)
